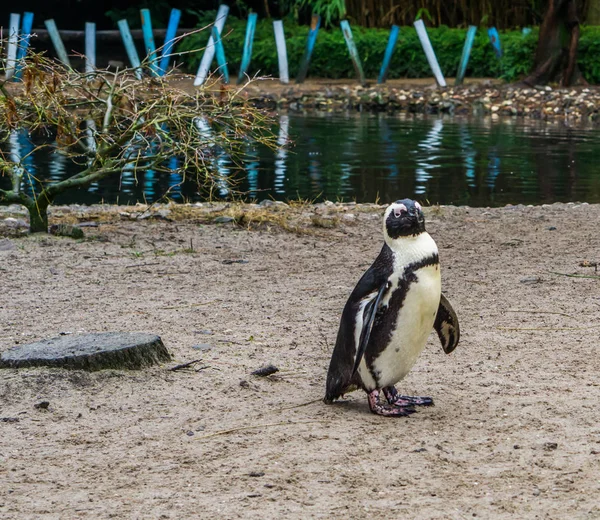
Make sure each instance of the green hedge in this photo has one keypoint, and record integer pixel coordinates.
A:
(331, 60)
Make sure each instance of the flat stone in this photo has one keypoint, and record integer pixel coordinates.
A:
(223, 220)
(7, 245)
(116, 350)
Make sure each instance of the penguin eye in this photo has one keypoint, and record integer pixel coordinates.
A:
(399, 210)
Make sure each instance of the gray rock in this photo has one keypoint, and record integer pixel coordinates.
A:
(66, 230)
(7, 245)
(223, 220)
(202, 347)
(98, 351)
(15, 222)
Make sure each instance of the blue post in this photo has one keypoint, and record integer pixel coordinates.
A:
(90, 47)
(169, 41)
(26, 25)
(495, 41)
(284, 76)
(345, 26)
(13, 44)
(247, 54)
(57, 42)
(130, 47)
(209, 52)
(429, 52)
(220, 52)
(310, 45)
(466, 53)
(387, 57)
(149, 41)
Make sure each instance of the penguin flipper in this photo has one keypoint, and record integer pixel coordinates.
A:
(368, 319)
(446, 325)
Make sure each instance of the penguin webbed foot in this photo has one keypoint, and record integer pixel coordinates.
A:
(388, 410)
(395, 399)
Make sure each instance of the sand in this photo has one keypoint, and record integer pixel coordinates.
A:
(514, 433)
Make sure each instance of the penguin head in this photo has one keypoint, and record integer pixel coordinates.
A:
(403, 218)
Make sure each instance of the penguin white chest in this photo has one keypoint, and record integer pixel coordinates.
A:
(413, 325)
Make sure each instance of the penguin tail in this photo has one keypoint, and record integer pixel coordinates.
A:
(337, 386)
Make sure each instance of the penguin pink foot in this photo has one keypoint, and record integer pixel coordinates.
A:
(388, 410)
(395, 399)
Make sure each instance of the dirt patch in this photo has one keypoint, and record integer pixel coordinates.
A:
(515, 432)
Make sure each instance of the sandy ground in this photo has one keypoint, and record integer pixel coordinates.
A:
(515, 432)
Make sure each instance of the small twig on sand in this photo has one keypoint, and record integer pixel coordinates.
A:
(544, 312)
(254, 426)
(576, 275)
(547, 328)
(141, 265)
(190, 305)
(187, 365)
(300, 405)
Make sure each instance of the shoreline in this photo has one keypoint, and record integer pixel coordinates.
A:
(294, 217)
(477, 97)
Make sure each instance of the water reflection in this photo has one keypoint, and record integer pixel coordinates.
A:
(428, 156)
(281, 154)
(362, 157)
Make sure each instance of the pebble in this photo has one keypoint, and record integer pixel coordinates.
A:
(223, 220)
(530, 279)
(202, 347)
(267, 370)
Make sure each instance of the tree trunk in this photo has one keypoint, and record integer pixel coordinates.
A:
(97, 351)
(556, 53)
(593, 13)
(38, 214)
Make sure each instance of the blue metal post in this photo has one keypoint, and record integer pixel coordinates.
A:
(284, 76)
(26, 25)
(495, 41)
(466, 53)
(429, 52)
(57, 42)
(387, 57)
(310, 45)
(90, 47)
(345, 26)
(167, 47)
(247, 54)
(220, 52)
(130, 47)
(209, 52)
(149, 41)
(13, 44)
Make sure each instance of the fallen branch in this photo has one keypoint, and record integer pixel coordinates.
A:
(186, 365)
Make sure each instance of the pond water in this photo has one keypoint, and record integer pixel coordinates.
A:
(368, 157)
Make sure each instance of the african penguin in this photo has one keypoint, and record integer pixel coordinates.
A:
(389, 315)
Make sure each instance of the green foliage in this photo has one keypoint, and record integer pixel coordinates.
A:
(330, 11)
(589, 53)
(331, 59)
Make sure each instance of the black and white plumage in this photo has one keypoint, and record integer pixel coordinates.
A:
(389, 315)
